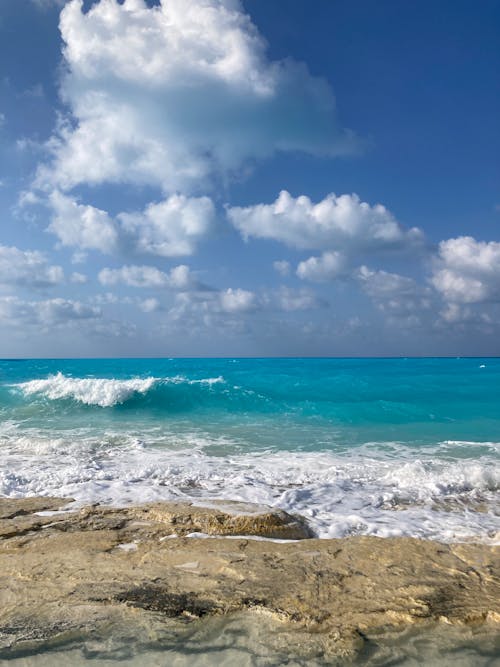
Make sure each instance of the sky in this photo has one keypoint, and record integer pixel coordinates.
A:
(249, 178)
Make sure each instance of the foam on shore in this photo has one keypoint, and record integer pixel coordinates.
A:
(377, 490)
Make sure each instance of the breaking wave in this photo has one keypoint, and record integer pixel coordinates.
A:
(102, 392)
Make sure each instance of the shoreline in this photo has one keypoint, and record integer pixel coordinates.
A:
(76, 572)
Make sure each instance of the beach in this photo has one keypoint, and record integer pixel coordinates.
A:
(300, 510)
(139, 583)
(249, 333)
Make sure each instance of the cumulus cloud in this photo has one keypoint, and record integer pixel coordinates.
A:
(172, 94)
(343, 223)
(322, 269)
(169, 228)
(81, 226)
(27, 268)
(237, 301)
(467, 271)
(180, 277)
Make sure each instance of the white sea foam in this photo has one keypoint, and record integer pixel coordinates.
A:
(365, 491)
(180, 379)
(493, 446)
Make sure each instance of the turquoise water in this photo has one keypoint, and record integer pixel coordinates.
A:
(358, 446)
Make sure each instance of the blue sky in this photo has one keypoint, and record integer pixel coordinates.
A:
(216, 177)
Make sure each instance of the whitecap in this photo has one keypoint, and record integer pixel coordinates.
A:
(103, 392)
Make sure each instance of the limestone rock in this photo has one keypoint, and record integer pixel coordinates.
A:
(78, 571)
(11, 508)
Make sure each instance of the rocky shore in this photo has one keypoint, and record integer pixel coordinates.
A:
(69, 573)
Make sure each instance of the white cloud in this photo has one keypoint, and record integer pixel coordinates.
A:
(342, 223)
(62, 310)
(322, 269)
(225, 310)
(105, 299)
(470, 317)
(288, 299)
(27, 268)
(382, 284)
(234, 311)
(281, 299)
(150, 305)
(113, 329)
(179, 277)
(237, 301)
(83, 226)
(282, 267)
(79, 257)
(134, 276)
(459, 288)
(170, 228)
(28, 198)
(170, 95)
(455, 312)
(48, 313)
(49, 316)
(78, 278)
(468, 271)
(402, 299)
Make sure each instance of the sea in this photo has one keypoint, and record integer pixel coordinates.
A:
(359, 446)
(385, 447)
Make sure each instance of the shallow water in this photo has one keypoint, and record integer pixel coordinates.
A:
(256, 641)
(383, 447)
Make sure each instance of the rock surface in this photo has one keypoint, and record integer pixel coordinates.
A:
(67, 572)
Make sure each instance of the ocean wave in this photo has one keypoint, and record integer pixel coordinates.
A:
(102, 392)
(89, 391)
